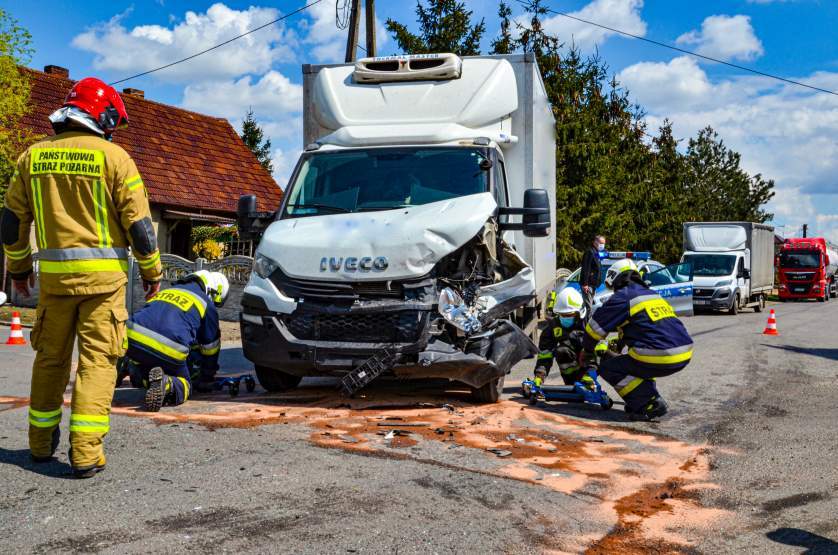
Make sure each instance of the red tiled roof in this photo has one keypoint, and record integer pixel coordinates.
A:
(187, 159)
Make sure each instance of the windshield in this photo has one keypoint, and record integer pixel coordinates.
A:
(711, 265)
(800, 259)
(384, 179)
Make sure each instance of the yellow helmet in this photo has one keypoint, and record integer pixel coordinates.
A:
(624, 265)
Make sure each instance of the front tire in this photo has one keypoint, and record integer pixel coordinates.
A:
(760, 304)
(489, 392)
(734, 308)
(276, 381)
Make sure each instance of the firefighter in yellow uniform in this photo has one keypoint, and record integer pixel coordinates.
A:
(89, 205)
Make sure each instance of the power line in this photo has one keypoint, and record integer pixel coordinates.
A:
(684, 51)
(268, 24)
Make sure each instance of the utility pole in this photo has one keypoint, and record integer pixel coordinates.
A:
(354, 24)
(369, 10)
(805, 229)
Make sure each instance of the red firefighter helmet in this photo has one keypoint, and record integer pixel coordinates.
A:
(101, 101)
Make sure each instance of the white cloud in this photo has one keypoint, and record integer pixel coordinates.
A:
(725, 37)
(619, 14)
(273, 96)
(782, 131)
(283, 166)
(124, 51)
(327, 43)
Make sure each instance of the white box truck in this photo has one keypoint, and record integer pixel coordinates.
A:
(417, 221)
(733, 264)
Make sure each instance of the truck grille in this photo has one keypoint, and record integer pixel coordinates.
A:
(702, 292)
(379, 327)
(800, 276)
(334, 290)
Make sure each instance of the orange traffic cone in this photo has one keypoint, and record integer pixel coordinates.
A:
(771, 328)
(16, 336)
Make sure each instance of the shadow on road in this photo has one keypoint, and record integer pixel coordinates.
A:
(20, 458)
(814, 544)
(827, 353)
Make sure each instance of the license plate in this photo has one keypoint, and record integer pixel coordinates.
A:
(799, 289)
(696, 301)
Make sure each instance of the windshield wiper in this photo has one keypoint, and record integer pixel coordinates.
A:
(318, 207)
(378, 208)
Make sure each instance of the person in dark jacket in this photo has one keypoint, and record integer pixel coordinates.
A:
(589, 277)
(562, 340)
(658, 343)
(161, 337)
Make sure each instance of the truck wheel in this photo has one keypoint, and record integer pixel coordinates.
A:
(489, 392)
(734, 308)
(822, 298)
(760, 304)
(276, 381)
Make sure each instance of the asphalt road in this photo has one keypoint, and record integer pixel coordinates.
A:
(745, 462)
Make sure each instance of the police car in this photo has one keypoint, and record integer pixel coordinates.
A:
(672, 282)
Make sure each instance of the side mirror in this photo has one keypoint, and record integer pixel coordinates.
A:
(536, 214)
(746, 274)
(251, 223)
(244, 211)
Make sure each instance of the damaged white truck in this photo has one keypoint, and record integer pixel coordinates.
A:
(416, 234)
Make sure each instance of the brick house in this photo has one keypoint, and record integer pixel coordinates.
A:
(194, 166)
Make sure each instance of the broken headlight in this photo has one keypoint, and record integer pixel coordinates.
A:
(264, 266)
(454, 310)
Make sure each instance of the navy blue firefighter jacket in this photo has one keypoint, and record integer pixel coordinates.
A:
(656, 338)
(174, 321)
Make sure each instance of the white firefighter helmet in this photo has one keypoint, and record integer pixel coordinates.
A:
(215, 284)
(624, 265)
(569, 301)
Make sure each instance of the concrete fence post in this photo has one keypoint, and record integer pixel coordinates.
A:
(199, 264)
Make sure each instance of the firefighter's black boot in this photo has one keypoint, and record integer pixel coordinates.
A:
(655, 408)
(159, 389)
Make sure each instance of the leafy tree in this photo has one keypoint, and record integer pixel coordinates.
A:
(254, 138)
(15, 50)
(444, 26)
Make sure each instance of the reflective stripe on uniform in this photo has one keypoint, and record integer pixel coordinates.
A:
(44, 419)
(38, 205)
(662, 356)
(134, 183)
(185, 387)
(67, 161)
(83, 253)
(545, 355)
(214, 347)
(157, 342)
(595, 330)
(17, 255)
(150, 262)
(181, 298)
(101, 206)
(90, 423)
(627, 385)
(656, 307)
(82, 266)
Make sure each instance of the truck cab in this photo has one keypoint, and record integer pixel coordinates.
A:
(806, 268)
(417, 221)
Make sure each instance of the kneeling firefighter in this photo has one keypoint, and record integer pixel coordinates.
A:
(161, 336)
(658, 342)
(563, 338)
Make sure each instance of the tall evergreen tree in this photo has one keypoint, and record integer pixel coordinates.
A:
(444, 26)
(254, 138)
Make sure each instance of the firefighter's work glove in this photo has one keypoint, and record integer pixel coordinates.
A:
(151, 288)
(24, 286)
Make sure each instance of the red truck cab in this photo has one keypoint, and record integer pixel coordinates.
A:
(807, 268)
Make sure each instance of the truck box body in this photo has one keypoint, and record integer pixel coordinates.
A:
(447, 277)
(506, 99)
(807, 267)
(723, 254)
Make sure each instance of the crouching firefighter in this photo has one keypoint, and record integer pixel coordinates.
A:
(658, 342)
(563, 338)
(161, 335)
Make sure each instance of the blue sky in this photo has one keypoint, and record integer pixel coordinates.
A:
(783, 132)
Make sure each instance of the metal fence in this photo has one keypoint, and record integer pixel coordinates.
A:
(236, 268)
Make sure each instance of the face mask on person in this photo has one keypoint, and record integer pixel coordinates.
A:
(567, 321)
(600, 247)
